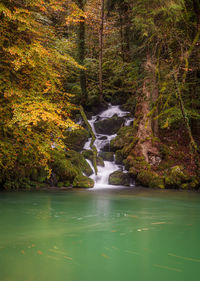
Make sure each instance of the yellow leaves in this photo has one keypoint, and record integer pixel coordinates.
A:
(5, 11)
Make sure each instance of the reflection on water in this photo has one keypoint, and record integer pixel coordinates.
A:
(102, 235)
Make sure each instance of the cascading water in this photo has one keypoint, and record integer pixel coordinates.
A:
(101, 180)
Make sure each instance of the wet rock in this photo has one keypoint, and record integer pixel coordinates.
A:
(88, 154)
(107, 156)
(76, 139)
(109, 126)
(102, 138)
(83, 182)
(119, 178)
(106, 147)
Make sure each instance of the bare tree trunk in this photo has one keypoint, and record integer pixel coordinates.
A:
(101, 52)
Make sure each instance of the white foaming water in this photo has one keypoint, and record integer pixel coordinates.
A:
(101, 180)
(112, 110)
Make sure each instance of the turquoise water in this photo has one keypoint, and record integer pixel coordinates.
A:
(111, 235)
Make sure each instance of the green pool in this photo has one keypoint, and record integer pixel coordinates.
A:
(110, 235)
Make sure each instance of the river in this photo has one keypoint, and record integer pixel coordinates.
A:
(109, 234)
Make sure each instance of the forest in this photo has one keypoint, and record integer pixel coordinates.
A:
(64, 61)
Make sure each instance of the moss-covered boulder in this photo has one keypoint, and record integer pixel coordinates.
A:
(176, 177)
(119, 157)
(62, 168)
(107, 156)
(76, 139)
(88, 154)
(119, 178)
(150, 179)
(109, 126)
(79, 162)
(124, 138)
(82, 181)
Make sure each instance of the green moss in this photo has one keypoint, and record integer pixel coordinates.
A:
(63, 168)
(119, 157)
(119, 178)
(107, 156)
(124, 137)
(76, 139)
(88, 154)
(82, 181)
(150, 179)
(176, 177)
(137, 162)
(79, 162)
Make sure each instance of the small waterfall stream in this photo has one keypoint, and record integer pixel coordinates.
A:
(102, 140)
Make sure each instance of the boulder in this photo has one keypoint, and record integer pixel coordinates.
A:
(88, 154)
(119, 157)
(124, 138)
(107, 156)
(82, 181)
(176, 177)
(109, 126)
(150, 179)
(119, 178)
(79, 161)
(76, 139)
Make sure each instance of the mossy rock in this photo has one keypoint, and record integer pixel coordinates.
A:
(124, 137)
(129, 104)
(119, 157)
(76, 139)
(175, 177)
(109, 126)
(79, 161)
(138, 163)
(83, 182)
(107, 156)
(150, 179)
(88, 154)
(119, 178)
(62, 168)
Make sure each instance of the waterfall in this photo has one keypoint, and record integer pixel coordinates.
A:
(101, 180)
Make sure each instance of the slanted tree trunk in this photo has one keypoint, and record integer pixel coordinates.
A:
(101, 52)
(81, 52)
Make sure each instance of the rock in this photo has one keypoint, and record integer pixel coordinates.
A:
(106, 147)
(150, 179)
(109, 126)
(79, 161)
(119, 157)
(100, 161)
(119, 178)
(102, 138)
(123, 138)
(82, 181)
(88, 154)
(107, 156)
(176, 177)
(62, 168)
(76, 139)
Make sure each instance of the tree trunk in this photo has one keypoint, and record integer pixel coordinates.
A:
(145, 146)
(101, 53)
(81, 53)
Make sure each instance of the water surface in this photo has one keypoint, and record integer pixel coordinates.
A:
(100, 235)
